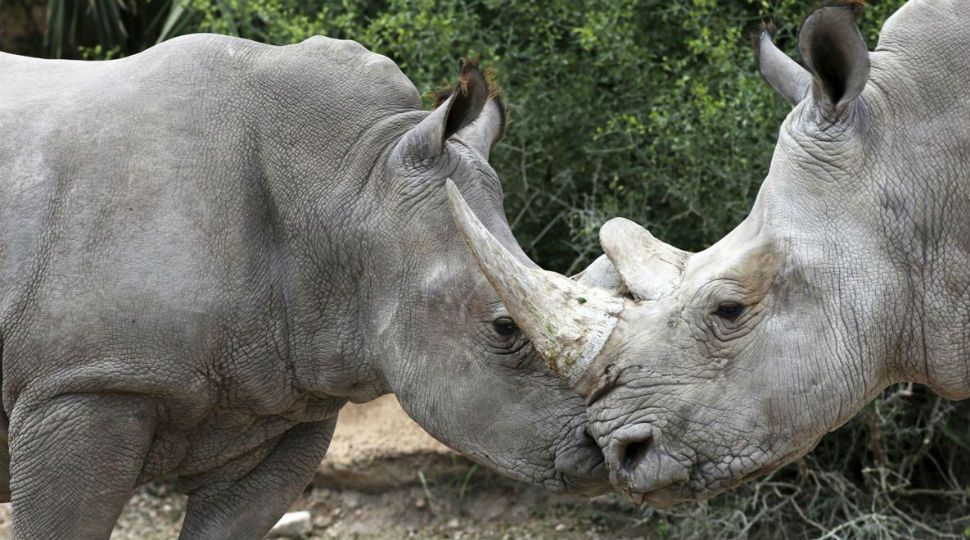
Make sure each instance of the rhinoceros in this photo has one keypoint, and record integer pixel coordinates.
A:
(207, 248)
(851, 272)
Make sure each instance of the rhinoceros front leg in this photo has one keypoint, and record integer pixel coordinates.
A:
(75, 460)
(227, 506)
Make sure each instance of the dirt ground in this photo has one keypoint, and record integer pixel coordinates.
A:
(479, 505)
(386, 478)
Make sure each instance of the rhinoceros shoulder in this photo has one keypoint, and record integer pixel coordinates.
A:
(336, 67)
(930, 29)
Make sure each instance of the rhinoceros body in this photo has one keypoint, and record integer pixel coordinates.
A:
(207, 248)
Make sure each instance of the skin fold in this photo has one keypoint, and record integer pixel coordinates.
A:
(206, 249)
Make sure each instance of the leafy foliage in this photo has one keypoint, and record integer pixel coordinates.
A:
(642, 108)
(647, 109)
(94, 28)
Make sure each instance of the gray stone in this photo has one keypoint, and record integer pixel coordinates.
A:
(291, 525)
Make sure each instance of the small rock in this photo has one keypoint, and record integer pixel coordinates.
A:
(322, 520)
(420, 503)
(453, 523)
(291, 525)
(561, 527)
(352, 500)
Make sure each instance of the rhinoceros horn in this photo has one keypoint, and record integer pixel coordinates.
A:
(649, 267)
(567, 322)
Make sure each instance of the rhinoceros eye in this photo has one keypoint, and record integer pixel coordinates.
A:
(729, 310)
(504, 326)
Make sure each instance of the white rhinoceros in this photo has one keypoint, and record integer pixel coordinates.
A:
(207, 248)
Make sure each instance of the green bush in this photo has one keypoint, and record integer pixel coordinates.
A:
(646, 109)
(653, 111)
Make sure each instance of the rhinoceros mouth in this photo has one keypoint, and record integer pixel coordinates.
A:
(706, 486)
(586, 486)
(708, 479)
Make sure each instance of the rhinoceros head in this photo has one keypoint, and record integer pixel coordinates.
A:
(848, 274)
(458, 363)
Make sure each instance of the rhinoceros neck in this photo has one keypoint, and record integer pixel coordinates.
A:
(928, 237)
(329, 113)
(341, 230)
(923, 205)
(910, 219)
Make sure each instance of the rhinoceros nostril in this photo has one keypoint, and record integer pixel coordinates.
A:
(634, 453)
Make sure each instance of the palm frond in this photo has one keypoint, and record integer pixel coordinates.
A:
(121, 26)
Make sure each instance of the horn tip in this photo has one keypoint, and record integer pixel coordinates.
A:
(622, 230)
(457, 202)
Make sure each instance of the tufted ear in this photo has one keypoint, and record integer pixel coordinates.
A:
(487, 130)
(835, 52)
(785, 75)
(456, 110)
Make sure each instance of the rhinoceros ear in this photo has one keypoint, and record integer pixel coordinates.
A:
(788, 78)
(835, 52)
(454, 110)
(487, 130)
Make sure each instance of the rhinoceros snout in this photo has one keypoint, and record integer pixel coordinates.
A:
(643, 469)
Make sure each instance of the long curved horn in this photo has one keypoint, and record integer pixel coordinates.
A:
(650, 268)
(568, 323)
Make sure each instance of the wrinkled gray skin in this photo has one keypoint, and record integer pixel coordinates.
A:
(852, 271)
(208, 248)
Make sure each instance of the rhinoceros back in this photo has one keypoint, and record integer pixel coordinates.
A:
(160, 146)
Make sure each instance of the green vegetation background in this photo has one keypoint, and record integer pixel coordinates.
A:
(646, 109)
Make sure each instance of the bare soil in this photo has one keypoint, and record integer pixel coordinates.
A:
(478, 505)
(384, 477)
